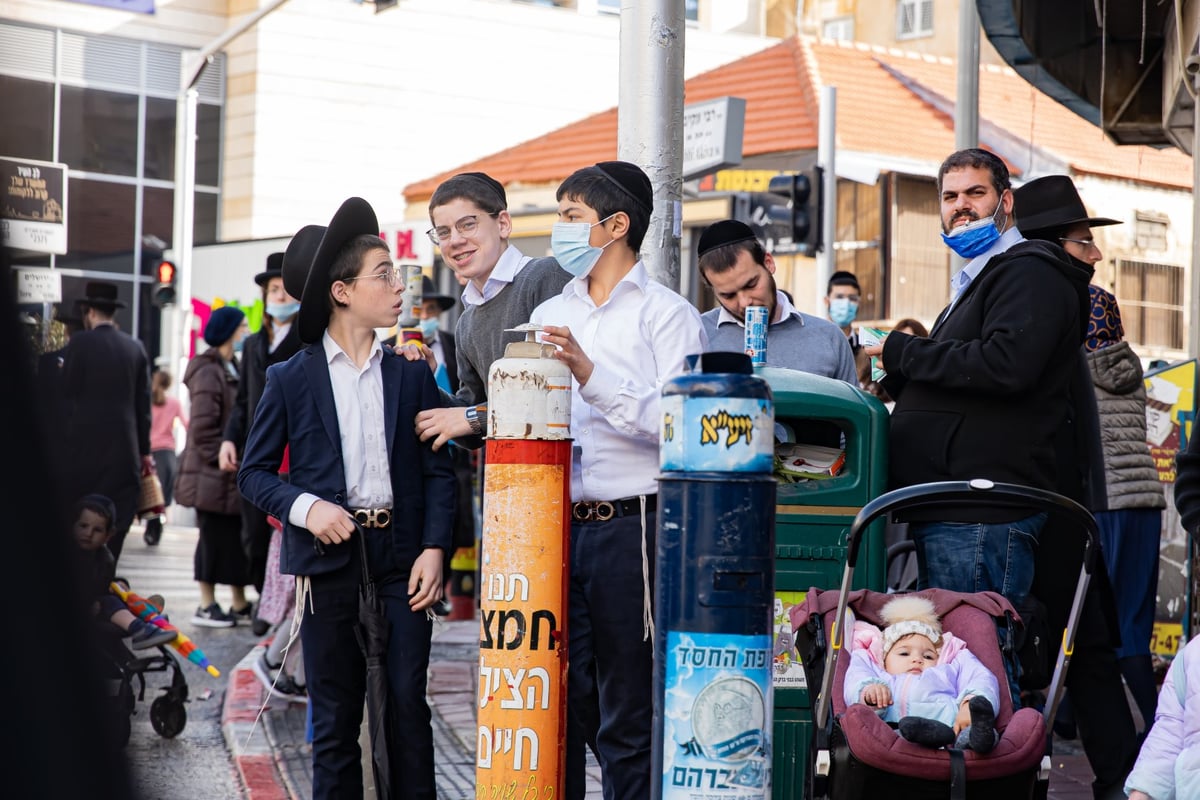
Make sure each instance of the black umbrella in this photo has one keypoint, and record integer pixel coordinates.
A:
(372, 634)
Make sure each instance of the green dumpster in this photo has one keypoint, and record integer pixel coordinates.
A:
(812, 520)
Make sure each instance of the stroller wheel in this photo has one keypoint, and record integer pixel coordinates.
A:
(167, 716)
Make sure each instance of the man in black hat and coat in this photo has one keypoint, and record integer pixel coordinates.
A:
(276, 341)
(344, 408)
(987, 393)
(106, 396)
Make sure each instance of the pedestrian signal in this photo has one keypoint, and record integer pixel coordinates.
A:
(164, 289)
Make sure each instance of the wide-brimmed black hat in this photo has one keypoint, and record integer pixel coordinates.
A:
(429, 292)
(1052, 202)
(354, 218)
(274, 269)
(101, 295)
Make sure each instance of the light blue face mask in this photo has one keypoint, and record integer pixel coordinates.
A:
(570, 243)
(974, 238)
(429, 327)
(282, 312)
(842, 311)
(239, 345)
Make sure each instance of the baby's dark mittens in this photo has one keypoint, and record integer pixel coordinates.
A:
(982, 733)
(928, 732)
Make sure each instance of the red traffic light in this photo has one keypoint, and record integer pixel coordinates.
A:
(166, 272)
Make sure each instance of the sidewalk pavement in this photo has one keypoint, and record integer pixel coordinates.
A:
(275, 763)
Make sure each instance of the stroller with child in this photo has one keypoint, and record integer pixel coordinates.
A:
(856, 754)
(124, 668)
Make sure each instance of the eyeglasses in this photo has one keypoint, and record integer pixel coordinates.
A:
(391, 276)
(1081, 242)
(465, 227)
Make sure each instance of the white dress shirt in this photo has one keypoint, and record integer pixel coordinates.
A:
(358, 400)
(279, 332)
(511, 262)
(638, 340)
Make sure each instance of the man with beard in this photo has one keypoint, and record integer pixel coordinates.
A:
(742, 274)
(986, 393)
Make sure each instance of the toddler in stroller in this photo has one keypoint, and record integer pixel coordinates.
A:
(93, 529)
(923, 679)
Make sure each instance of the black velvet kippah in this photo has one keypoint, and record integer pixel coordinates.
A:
(719, 234)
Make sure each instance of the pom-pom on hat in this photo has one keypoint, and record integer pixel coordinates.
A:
(907, 615)
(222, 325)
(719, 234)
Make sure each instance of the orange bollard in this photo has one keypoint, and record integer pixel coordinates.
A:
(523, 576)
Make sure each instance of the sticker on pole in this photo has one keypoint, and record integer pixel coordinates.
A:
(716, 434)
(717, 710)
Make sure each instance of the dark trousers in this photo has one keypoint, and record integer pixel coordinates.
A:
(256, 537)
(336, 673)
(609, 693)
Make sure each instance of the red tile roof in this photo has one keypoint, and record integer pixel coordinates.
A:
(889, 103)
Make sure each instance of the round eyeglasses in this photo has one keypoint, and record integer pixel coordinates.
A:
(391, 276)
(465, 226)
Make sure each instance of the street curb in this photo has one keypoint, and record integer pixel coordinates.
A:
(248, 744)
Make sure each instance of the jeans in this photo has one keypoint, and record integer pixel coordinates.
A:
(979, 557)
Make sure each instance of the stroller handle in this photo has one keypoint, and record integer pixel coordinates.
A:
(978, 491)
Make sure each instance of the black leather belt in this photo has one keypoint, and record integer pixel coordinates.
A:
(604, 510)
(372, 517)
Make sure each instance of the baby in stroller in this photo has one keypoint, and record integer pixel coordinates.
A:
(925, 680)
(93, 528)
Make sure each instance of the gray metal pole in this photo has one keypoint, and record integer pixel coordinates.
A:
(650, 121)
(191, 67)
(966, 107)
(826, 157)
(1193, 308)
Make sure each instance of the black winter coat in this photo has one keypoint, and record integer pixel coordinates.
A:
(987, 393)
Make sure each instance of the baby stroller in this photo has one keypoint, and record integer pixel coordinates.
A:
(854, 753)
(123, 667)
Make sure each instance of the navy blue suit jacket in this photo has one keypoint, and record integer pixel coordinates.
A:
(297, 410)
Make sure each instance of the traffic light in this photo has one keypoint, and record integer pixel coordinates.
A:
(801, 215)
(164, 290)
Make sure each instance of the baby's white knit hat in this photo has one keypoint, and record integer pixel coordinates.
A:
(908, 614)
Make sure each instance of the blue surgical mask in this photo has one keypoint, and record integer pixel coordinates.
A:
(429, 327)
(238, 345)
(570, 243)
(283, 311)
(974, 238)
(842, 311)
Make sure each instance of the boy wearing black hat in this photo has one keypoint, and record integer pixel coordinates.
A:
(106, 396)
(628, 335)
(344, 407)
(275, 342)
(742, 274)
(471, 227)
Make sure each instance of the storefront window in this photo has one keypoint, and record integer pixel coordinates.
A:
(160, 139)
(100, 226)
(208, 145)
(28, 116)
(99, 131)
(204, 225)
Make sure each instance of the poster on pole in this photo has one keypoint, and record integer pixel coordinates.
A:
(1170, 412)
(33, 214)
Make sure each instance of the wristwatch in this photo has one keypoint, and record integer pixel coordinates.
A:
(475, 418)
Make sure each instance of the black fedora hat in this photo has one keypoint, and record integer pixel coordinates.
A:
(274, 269)
(101, 295)
(1052, 202)
(429, 292)
(297, 259)
(354, 218)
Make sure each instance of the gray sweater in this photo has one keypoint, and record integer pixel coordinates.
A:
(1129, 473)
(802, 342)
(480, 330)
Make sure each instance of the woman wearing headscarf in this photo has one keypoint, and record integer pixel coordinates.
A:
(212, 381)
